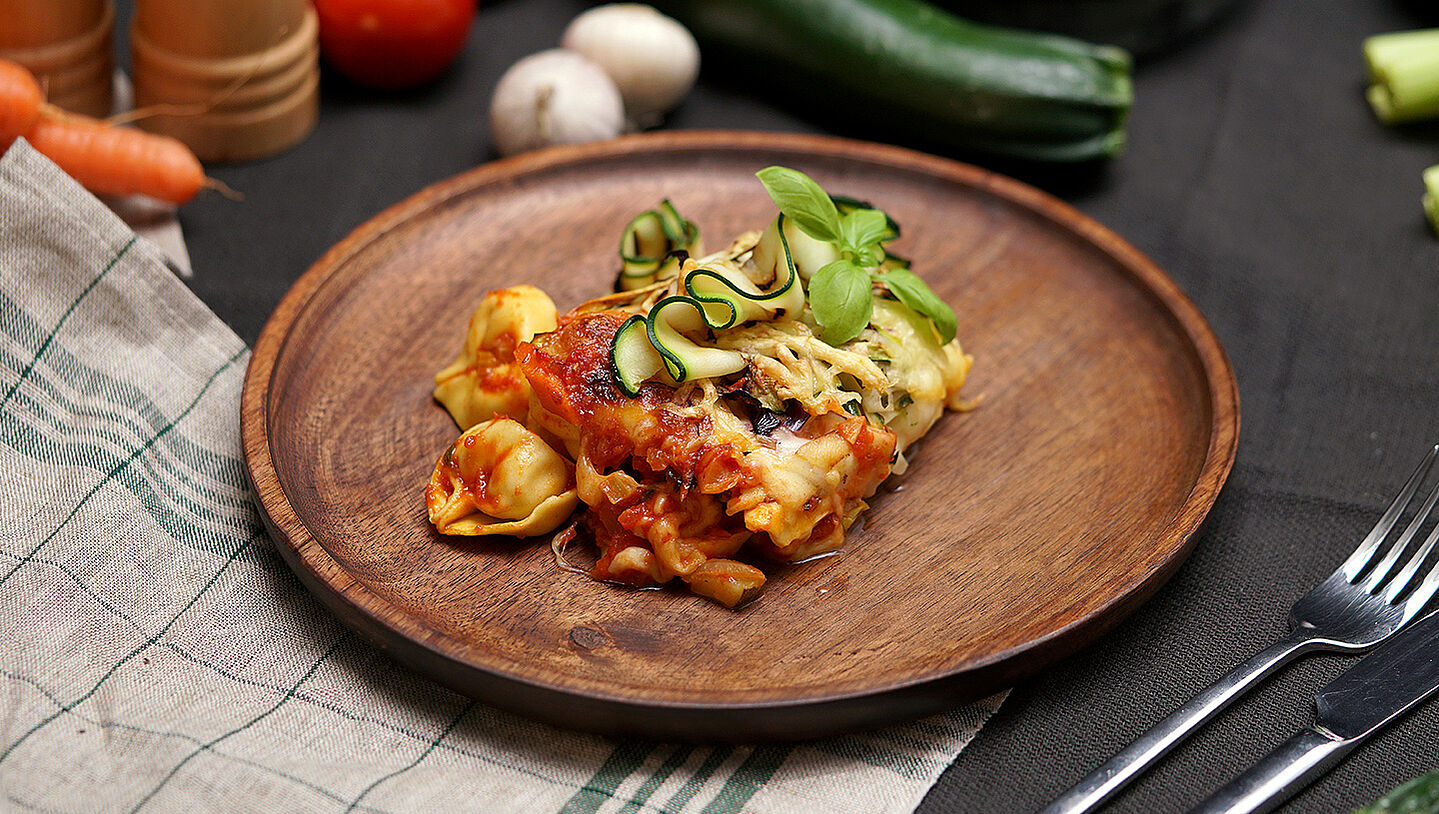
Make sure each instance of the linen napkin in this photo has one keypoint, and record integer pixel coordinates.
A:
(157, 653)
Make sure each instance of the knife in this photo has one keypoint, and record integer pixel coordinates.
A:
(1381, 687)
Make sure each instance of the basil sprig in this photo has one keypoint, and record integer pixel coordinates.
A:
(906, 286)
(842, 299)
(841, 294)
(802, 201)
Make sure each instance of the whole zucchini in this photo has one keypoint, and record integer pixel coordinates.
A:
(914, 72)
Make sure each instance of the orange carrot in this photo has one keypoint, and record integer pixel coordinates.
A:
(111, 160)
(106, 159)
(20, 100)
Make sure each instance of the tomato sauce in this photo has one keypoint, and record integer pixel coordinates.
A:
(683, 467)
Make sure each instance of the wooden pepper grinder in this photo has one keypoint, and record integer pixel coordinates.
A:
(235, 79)
(66, 44)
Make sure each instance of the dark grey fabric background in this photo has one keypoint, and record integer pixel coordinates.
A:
(1256, 176)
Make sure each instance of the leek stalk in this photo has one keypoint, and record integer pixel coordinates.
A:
(1403, 75)
(1431, 196)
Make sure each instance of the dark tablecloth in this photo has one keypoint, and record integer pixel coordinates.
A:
(1256, 176)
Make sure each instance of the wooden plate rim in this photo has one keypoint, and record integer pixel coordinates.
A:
(398, 632)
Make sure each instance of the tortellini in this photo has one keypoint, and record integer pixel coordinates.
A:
(500, 478)
(485, 381)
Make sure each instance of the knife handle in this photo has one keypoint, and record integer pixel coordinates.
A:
(1119, 771)
(1280, 774)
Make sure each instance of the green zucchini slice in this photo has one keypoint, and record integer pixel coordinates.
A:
(713, 298)
(740, 300)
(653, 245)
(808, 254)
(680, 232)
(773, 255)
(633, 358)
(684, 359)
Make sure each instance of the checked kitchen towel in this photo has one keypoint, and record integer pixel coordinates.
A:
(158, 655)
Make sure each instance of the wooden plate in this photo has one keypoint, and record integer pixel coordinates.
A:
(1025, 529)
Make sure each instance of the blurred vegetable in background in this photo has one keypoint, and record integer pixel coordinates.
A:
(105, 158)
(554, 97)
(908, 71)
(20, 101)
(1143, 27)
(1431, 196)
(1403, 68)
(1403, 75)
(653, 60)
(393, 44)
(621, 66)
(1418, 796)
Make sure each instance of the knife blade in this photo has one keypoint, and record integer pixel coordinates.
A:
(1382, 686)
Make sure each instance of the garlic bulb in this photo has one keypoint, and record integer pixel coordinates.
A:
(652, 58)
(554, 97)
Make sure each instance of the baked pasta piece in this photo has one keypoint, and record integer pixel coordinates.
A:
(717, 412)
(499, 477)
(485, 381)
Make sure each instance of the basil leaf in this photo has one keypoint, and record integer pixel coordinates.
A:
(862, 230)
(917, 296)
(802, 201)
(842, 300)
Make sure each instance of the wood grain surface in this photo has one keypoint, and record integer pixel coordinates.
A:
(1025, 528)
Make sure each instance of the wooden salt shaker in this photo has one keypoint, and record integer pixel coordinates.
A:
(239, 79)
(66, 44)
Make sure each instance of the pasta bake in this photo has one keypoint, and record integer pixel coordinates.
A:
(716, 413)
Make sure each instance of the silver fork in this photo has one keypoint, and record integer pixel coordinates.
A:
(1351, 611)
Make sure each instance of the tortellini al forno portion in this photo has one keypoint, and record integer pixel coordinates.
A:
(485, 381)
(710, 412)
(500, 478)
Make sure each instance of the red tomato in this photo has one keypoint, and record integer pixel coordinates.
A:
(393, 43)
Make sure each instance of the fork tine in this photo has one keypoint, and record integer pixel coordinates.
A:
(1412, 567)
(1366, 549)
(1371, 583)
(1425, 592)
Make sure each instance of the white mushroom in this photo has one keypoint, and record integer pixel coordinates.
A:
(554, 97)
(652, 58)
